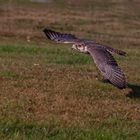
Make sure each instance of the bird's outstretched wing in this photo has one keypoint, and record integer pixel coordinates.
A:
(108, 66)
(69, 38)
(60, 37)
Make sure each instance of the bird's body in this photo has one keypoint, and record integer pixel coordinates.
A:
(101, 55)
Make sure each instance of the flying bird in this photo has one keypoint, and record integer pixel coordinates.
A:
(101, 54)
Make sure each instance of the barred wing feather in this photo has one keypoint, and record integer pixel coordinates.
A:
(59, 37)
(108, 66)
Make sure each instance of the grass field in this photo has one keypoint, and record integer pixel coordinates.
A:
(49, 92)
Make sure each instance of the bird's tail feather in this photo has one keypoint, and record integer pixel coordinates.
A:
(112, 50)
(119, 52)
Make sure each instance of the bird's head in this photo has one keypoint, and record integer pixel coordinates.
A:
(80, 47)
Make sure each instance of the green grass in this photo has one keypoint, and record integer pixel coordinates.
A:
(59, 81)
(53, 54)
(27, 130)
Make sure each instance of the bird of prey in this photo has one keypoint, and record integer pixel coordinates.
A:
(101, 54)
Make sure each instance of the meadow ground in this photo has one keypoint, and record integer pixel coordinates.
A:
(47, 91)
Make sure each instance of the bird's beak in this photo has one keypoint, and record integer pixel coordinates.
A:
(73, 47)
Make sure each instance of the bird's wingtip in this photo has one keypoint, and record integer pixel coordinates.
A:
(46, 30)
